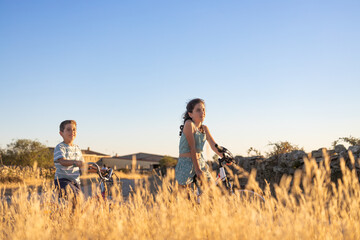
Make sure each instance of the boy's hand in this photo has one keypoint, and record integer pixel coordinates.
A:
(78, 163)
(91, 168)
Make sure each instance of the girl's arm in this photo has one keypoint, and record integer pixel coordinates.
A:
(211, 141)
(189, 129)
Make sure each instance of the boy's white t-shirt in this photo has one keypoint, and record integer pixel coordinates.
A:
(63, 150)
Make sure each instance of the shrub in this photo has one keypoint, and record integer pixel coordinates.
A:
(281, 148)
(18, 174)
(253, 152)
(167, 161)
(350, 140)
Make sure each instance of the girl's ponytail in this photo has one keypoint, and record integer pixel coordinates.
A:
(186, 117)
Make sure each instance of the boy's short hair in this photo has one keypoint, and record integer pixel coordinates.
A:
(63, 124)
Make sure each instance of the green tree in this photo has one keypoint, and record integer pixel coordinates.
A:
(350, 140)
(24, 152)
(168, 161)
(281, 148)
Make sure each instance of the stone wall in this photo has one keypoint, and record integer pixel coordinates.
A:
(273, 168)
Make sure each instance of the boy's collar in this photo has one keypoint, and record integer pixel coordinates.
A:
(69, 144)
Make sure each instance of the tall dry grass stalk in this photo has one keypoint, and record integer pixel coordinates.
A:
(307, 206)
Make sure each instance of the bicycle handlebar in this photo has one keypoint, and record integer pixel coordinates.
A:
(109, 172)
(227, 155)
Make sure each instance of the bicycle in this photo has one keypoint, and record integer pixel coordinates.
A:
(228, 159)
(106, 180)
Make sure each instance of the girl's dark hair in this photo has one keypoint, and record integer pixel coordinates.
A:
(189, 108)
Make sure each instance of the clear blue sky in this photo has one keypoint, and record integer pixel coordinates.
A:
(268, 70)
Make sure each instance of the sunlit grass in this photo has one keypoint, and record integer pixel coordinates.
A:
(308, 206)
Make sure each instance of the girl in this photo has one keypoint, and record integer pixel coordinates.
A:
(193, 136)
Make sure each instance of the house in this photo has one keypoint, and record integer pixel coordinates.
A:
(141, 161)
(89, 155)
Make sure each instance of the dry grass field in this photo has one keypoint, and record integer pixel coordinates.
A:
(308, 206)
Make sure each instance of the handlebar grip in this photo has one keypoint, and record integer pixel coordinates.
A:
(220, 148)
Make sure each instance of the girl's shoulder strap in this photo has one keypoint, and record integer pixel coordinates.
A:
(204, 128)
(201, 129)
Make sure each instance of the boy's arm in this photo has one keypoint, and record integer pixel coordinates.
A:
(60, 155)
(67, 163)
(75, 163)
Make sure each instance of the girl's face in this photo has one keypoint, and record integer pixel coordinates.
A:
(198, 113)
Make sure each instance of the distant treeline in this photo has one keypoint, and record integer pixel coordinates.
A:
(25, 152)
(282, 147)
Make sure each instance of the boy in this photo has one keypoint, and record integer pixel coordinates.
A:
(68, 160)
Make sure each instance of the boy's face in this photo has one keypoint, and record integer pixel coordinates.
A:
(69, 133)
